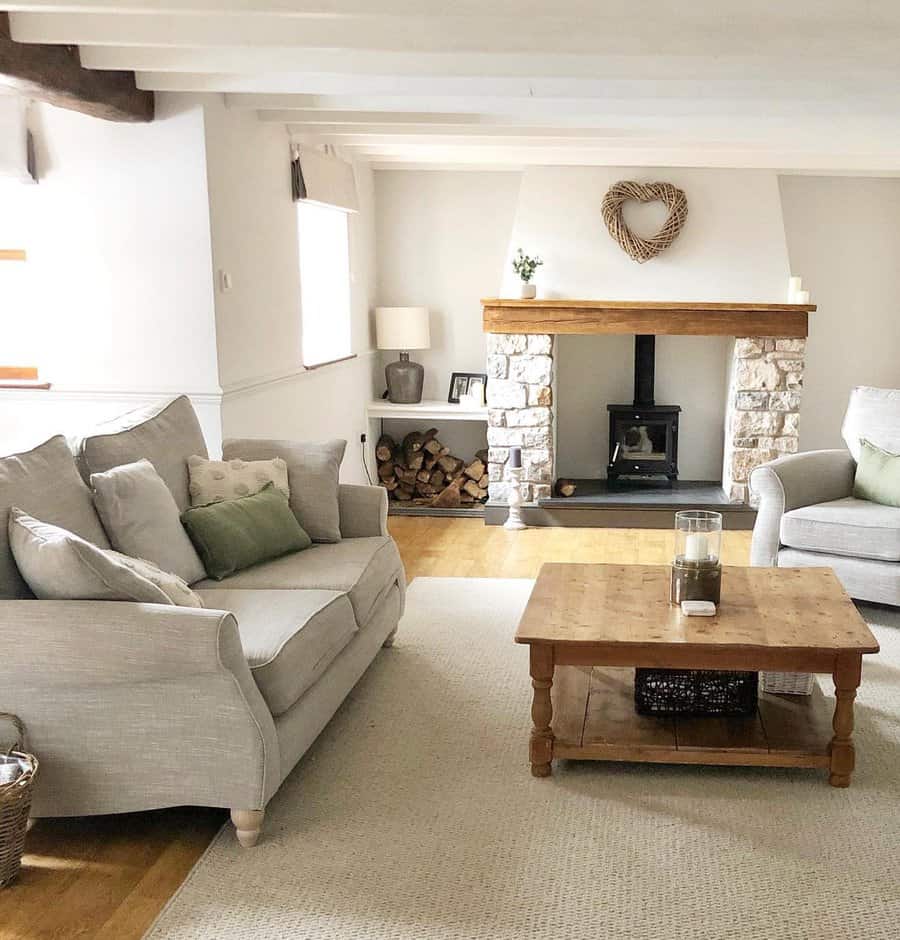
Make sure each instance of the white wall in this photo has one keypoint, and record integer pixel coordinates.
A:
(268, 393)
(117, 307)
(442, 241)
(844, 240)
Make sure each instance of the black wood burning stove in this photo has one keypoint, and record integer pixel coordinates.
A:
(643, 436)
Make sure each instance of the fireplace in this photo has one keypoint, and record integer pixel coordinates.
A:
(643, 436)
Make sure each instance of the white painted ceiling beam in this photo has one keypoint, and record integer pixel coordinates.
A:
(676, 29)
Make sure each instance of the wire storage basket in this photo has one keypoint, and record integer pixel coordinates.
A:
(17, 772)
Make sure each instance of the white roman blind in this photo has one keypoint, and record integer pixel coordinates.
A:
(324, 179)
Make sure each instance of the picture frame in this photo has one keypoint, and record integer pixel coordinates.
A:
(460, 382)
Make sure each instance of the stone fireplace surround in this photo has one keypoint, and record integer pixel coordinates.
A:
(764, 390)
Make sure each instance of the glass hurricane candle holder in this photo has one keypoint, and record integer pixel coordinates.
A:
(696, 567)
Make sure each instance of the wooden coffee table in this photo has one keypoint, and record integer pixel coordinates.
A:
(588, 626)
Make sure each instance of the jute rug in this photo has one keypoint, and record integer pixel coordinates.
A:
(414, 817)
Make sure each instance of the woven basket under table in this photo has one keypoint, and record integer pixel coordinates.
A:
(15, 801)
(695, 692)
(788, 683)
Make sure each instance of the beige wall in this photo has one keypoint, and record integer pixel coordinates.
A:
(844, 240)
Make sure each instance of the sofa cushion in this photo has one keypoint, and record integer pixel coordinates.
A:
(289, 637)
(363, 568)
(313, 470)
(59, 565)
(877, 475)
(212, 481)
(166, 435)
(852, 527)
(44, 482)
(873, 414)
(141, 519)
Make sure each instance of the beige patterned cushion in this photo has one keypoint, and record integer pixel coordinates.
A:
(215, 480)
(59, 565)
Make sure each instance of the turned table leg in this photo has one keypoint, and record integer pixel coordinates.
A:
(541, 744)
(847, 673)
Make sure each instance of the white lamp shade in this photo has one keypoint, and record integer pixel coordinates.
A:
(402, 328)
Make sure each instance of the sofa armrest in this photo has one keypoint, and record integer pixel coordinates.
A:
(363, 510)
(143, 705)
(816, 476)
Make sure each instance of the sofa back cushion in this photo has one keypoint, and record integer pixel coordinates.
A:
(872, 414)
(166, 435)
(44, 482)
(313, 471)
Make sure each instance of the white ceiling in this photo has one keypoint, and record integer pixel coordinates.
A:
(793, 85)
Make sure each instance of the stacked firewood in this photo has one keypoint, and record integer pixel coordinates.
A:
(420, 470)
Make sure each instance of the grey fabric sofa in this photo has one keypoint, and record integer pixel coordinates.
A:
(140, 706)
(809, 517)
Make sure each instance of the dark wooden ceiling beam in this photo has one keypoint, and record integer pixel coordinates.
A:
(54, 74)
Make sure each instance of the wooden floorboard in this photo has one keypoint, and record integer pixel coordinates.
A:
(108, 877)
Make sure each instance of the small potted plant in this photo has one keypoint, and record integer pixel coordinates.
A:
(525, 266)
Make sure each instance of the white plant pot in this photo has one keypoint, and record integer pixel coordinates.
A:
(529, 291)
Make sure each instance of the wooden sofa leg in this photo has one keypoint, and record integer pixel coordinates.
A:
(247, 825)
(390, 640)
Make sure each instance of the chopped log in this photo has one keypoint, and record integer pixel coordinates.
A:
(466, 498)
(448, 498)
(434, 446)
(437, 478)
(473, 489)
(412, 442)
(403, 494)
(430, 462)
(385, 448)
(429, 435)
(482, 455)
(424, 476)
(386, 469)
(483, 481)
(426, 489)
(450, 465)
(475, 470)
(390, 485)
(443, 451)
(416, 460)
(565, 487)
(406, 477)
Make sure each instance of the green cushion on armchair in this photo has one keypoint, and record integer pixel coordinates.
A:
(236, 533)
(877, 475)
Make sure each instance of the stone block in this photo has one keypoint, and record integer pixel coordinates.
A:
(497, 366)
(744, 461)
(507, 344)
(540, 395)
(784, 401)
(755, 423)
(748, 347)
(769, 345)
(537, 437)
(534, 370)
(537, 465)
(540, 491)
(790, 365)
(496, 471)
(498, 455)
(791, 425)
(786, 445)
(496, 418)
(528, 417)
(737, 492)
(502, 393)
(504, 437)
(756, 374)
(498, 491)
(540, 344)
(746, 442)
(791, 346)
(793, 380)
(751, 401)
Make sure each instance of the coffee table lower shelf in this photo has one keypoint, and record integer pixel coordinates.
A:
(594, 719)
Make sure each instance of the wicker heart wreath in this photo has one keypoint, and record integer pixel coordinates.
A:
(643, 249)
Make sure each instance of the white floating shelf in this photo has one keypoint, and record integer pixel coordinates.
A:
(438, 410)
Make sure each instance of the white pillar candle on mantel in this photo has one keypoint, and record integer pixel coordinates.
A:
(801, 297)
(696, 547)
(794, 285)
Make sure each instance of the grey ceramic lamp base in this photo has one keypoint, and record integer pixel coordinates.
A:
(404, 381)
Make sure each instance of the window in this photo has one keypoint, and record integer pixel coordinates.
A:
(324, 283)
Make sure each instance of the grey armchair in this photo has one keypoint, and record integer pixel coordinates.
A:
(808, 516)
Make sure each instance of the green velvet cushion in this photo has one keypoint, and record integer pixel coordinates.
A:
(236, 533)
(877, 475)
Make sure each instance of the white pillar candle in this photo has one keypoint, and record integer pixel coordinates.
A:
(801, 297)
(794, 285)
(696, 547)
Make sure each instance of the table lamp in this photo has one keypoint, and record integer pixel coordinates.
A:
(403, 328)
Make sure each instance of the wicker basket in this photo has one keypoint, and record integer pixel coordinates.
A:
(788, 683)
(17, 772)
(695, 692)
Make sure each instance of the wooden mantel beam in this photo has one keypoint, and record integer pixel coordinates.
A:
(684, 318)
(54, 74)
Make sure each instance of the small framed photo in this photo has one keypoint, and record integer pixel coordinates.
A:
(462, 383)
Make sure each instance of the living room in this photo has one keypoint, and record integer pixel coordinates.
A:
(449, 471)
